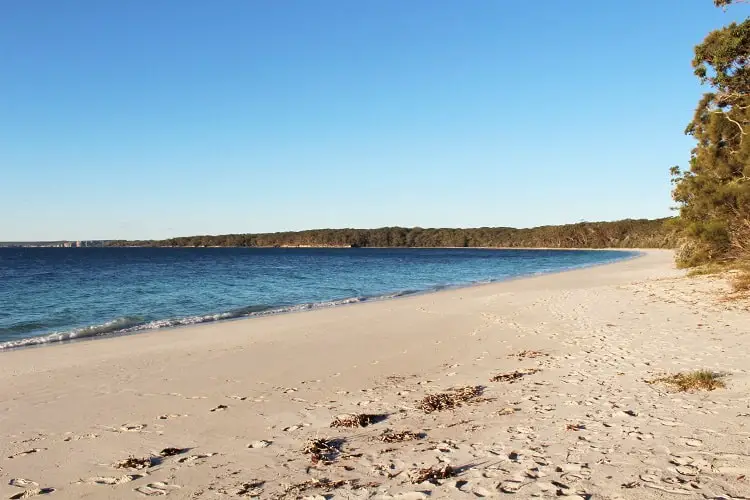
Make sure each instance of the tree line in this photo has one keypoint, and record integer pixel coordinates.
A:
(629, 233)
(713, 193)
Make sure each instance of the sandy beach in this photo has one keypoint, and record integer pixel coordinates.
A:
(562, 406)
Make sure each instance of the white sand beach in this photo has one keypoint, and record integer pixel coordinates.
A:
(231, 405)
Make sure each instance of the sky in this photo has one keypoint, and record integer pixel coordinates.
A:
(161, 118)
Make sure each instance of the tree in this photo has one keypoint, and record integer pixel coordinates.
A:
(714, 194)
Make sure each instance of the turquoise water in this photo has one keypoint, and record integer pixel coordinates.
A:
(59, 294)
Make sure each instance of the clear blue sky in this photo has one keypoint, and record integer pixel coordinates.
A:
(150, 119)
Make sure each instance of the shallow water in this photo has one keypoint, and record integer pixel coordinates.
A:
(58, 294)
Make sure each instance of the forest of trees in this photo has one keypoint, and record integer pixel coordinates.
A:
(714, 192)
(627, 233)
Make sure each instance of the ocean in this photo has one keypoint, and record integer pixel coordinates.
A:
(52, 295)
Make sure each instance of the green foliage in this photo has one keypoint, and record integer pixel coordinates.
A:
(620, 234)
(714, 194)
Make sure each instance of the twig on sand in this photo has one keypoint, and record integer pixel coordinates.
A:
(514, 376)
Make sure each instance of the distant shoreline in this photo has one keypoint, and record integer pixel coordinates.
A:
(626, 233)
(311, 247)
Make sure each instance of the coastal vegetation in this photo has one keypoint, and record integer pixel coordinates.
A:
(713, 194)
(629, 233)
(698, 380)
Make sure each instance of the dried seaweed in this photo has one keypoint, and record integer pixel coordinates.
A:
(170, 452)
(514, 376)
(528, 354)
(322, 450)
(134, 463)
(390, 436)
(324, 484)
(431, 474)
(358, 420)
(451, 399)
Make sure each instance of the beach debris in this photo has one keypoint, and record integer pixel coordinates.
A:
(514, 376)
(32, 493)
(170, 452)
(322, 450)
(27, 452)
(575, 427)
(357, 420)
(251, 489)
(431, 474)
(262, 443)
(698, 380)
(451, 399)
(390, 436)
(507, 411)
(529, 354)
(146, 462)
(134, 463)
(220, 408)
(325, 484)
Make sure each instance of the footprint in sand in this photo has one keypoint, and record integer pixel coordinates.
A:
(32, 493)
(692, 442)
(20, 482)
(260, 444)
(112, 481)
(156, 489)
(193, 458)
(170, 416)
(128, 428)
(27, 452)
(177, 394)
(83, 436)
(293, 428)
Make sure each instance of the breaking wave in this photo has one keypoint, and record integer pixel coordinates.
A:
(130, 324)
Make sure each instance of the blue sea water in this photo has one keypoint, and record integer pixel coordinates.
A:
(58, 294)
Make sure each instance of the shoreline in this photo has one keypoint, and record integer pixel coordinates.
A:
(92, 333)
(226, 410)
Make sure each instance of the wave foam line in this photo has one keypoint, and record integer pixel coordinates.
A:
(132, 324)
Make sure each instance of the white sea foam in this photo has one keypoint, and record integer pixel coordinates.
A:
(130, 325)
